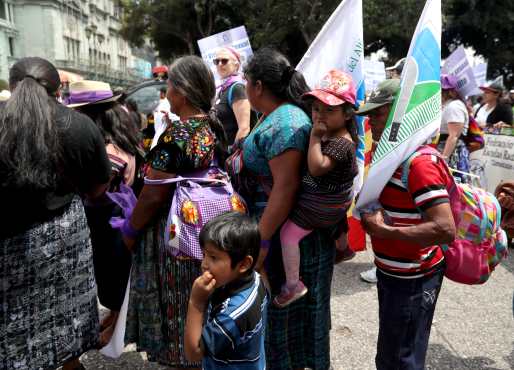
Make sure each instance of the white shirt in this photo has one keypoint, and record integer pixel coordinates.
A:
(159, 122)
(482, 115)
(454, 111)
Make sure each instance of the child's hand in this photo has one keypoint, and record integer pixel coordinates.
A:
(319, 129)
(202, 289)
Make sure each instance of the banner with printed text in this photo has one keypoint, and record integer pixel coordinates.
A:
(236, 38)
(457, 65)
(374, 73)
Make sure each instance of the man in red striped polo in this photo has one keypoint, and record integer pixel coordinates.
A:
(405, 235)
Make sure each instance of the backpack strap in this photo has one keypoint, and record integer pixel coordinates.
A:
(195, 176)
(230, 93)
(180, 178)
(427, 150)
(424, 150)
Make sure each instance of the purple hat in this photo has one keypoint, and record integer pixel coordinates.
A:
(90, 92)
(449, 82)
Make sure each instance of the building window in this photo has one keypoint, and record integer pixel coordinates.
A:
(122, 62)
(77, 49)
(3, 13)
(10, 13)
(72, 48)
(117, 10)
(11, 46)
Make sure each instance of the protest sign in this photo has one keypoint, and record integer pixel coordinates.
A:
(374, 73)
(498, 159)
(416, 113)
(457, 64)
(480, 72)
(236, 38)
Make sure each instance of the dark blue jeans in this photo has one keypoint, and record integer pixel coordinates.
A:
(406, 310)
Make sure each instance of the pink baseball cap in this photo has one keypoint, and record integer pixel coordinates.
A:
(335, 88)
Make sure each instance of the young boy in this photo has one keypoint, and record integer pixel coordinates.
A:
(231, 295)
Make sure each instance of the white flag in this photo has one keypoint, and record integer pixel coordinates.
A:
(339, 45)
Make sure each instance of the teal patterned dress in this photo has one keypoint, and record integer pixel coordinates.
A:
(161, 283)
(297, 336)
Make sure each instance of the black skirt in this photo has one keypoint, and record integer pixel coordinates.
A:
(48, 306)
(112, 260)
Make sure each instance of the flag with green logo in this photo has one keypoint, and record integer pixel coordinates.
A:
(415, 115)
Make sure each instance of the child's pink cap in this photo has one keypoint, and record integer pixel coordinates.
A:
(335, 88)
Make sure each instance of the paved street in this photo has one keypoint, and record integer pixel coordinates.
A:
(473, 326)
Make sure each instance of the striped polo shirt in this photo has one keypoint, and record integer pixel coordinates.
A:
(427, 187)
(233, 332)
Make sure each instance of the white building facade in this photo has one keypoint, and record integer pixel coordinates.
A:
(8, 37)
(80, 36)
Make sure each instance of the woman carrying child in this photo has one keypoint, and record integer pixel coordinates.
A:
(326, 189)
(297, 336)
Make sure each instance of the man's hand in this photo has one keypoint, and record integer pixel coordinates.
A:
(374, 224)
(202, 289)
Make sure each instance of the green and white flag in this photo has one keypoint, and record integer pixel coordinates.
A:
(415, 115)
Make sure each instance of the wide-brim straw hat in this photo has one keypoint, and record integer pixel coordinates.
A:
(88, 92)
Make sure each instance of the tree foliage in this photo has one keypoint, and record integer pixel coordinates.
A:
(174, 26)
(290, 25)
(487, 26)
(390, 25)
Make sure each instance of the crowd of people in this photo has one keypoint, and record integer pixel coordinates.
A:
(257, 293)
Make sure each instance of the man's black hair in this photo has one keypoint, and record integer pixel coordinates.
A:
(234, 233)
(163, 90)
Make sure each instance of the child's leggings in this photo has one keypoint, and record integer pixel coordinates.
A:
(290, 236)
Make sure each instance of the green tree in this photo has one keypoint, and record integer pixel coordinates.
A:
(488, 27)
(289, 25)
(174, 26)
(389, 25)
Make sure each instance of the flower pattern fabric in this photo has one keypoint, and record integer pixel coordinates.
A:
(184, 145)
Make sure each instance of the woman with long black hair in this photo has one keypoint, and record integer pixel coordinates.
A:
(49, 154)
(161, 283)
(112, 260)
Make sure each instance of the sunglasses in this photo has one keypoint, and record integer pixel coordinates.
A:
(217, 61)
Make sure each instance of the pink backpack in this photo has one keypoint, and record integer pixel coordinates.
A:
(480, 243)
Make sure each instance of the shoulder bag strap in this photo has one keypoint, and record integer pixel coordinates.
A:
(180, 178)
(230, 93)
